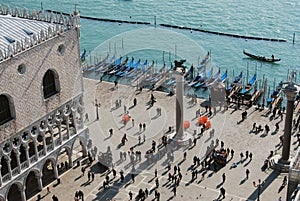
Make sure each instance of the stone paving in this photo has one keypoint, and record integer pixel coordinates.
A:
(207, 186)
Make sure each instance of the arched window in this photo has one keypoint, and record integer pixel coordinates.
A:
(5, 112)
(50, 84)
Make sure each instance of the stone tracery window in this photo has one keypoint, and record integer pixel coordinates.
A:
(5, 110)
(50, 83)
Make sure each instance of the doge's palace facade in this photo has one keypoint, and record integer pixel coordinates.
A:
(41, 99)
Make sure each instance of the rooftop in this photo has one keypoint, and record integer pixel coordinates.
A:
(22, 30)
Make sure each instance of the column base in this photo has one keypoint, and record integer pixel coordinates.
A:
(277, 163)
(183, 140)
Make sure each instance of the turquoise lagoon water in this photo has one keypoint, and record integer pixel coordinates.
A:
(270, 19)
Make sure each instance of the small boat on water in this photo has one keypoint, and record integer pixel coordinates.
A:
(249, 86)
(261, 58)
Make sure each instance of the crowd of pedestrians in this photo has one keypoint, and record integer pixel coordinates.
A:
(175, 176)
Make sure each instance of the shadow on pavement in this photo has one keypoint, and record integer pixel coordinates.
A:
(267, 182)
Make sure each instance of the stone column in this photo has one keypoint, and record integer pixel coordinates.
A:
(179, 106)
(52, 137)
(18, 160)
(59, 130)
(290, 92)
(70, 159)
(44, 144)
(9, 168)
(27, 154)
(68, 126)
(55, 171)
(23, 194)
(36, 149)
(0, 175)
(39, 181)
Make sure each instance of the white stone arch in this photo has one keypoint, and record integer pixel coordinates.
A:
(51, 158)
(155, 39)
(83, 142)
(69, 153)
(19, 184)
(36, 172)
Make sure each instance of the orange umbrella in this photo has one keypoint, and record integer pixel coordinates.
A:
(126, 118)
(208, 124)
(186, 124)
(205, 119)
(200, 120)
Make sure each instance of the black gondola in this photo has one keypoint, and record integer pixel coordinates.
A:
(261, 58)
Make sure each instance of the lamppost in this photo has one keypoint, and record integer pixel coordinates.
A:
(97, 105)
(259, 187)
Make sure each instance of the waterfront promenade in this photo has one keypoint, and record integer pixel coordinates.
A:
(236, 135)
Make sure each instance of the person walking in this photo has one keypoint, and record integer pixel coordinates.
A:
(223, 191)
(114, 172)
(122, 176)
(82, 170)
(242, 156)
(155, 173)
(141, 126)
(139, 139)
(277, 127)
(157, 182)
(146, 192)
(89, 176)
(124, 155)
(134, 102)
(124, 139)
(132, 178)
(232, 153)
(130, 195)
(86, 117)
(174, 190)
(110, 132)
(132, 122)
(125, 109)
(247, 173)
(253, 126)
(267, 129)
(48, 190)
